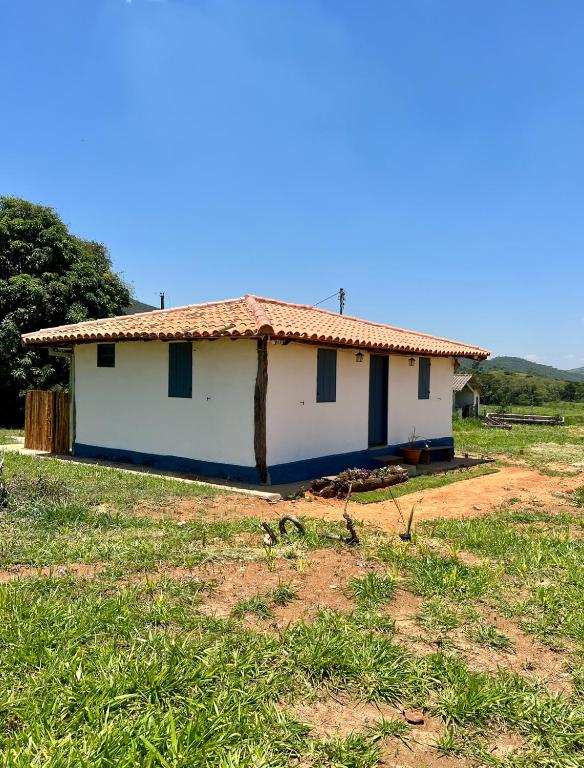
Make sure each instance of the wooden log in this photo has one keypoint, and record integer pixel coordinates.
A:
(260, 396)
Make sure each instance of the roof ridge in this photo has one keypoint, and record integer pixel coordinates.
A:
(263, 321)
(367, 322)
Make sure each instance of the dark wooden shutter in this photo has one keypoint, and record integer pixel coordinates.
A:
(180, 369)
(424, 379)
(326, 376)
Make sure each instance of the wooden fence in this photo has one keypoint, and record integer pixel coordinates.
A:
(46, 421)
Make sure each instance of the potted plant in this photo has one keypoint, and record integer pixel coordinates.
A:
(411, 452)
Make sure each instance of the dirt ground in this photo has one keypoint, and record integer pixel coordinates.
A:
(337, 717)
(466, 498)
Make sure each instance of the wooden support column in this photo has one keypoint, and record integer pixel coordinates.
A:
(261, 389)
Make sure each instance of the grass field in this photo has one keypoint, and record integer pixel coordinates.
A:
(551, 449)
(7, 435)
(134, 638)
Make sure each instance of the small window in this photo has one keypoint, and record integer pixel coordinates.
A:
(424, 378)
(106, 355)
(326, 376)
(180, 369)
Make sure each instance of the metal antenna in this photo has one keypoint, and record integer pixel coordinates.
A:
(342, 295)
(161, 299)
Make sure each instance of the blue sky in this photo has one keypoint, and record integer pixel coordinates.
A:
(427, 155)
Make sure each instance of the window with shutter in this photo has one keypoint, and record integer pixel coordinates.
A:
(180, 369)
(326, 376)
(424, 378)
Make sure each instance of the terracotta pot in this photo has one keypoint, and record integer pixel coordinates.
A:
(411, 455)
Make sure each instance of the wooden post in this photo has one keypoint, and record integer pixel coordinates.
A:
(261, 388)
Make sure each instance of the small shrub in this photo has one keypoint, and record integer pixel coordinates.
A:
(487, 634)
(284, 594)
(257, 605)
(31, 489)
(372, 589)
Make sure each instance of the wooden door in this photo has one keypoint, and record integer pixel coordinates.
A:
(378, 383)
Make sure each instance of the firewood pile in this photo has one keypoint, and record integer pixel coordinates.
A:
(359, 480)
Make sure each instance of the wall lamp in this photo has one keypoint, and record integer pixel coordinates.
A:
(358, 357)
(411, 362)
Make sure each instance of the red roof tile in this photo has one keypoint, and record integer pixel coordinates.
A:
(253, 316)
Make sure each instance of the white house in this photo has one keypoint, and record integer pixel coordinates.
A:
(466, 398)
(254, 389)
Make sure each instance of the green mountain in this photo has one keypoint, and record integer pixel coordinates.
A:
(577, 370)
(526, 367)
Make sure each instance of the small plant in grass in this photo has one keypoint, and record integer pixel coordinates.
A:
(355, 751)
(257, 605)
(372, 589)
(437, 615)
(388, 727)
(447, 742)
(373, 620)
(489, 635)
(284, 594)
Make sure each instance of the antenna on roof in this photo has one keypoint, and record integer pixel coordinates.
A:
(161, 299)
(341, 293)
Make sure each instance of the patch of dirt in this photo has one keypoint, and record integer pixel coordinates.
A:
(404, 609)
(419, 750)
(528, 657)
(507, 743)
(340, 716)
(468, 498)
(79, 570)
(320, 580)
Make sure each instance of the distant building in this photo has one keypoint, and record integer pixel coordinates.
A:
(466, 398)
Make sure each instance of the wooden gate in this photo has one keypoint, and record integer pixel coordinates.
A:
(46, 421)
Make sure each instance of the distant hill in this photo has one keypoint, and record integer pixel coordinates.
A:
(577, 370)
(136, 306)
(526, 367)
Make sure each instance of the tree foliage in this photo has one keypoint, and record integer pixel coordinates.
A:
(504, 388)
(47, 277)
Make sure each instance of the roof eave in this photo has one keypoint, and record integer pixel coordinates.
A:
(33, 340)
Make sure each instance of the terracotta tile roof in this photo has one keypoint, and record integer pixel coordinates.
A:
(254, 316)
(460, 381)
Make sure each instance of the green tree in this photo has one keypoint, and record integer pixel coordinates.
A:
(47, 277)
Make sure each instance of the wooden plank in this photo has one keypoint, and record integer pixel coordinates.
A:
(260, 396)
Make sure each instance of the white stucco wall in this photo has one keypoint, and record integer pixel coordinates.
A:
(431, 418)
(128, 407)
(300, 428)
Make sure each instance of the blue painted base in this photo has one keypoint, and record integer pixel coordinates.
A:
(294, 471)
(173, 463)
(320, 466)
